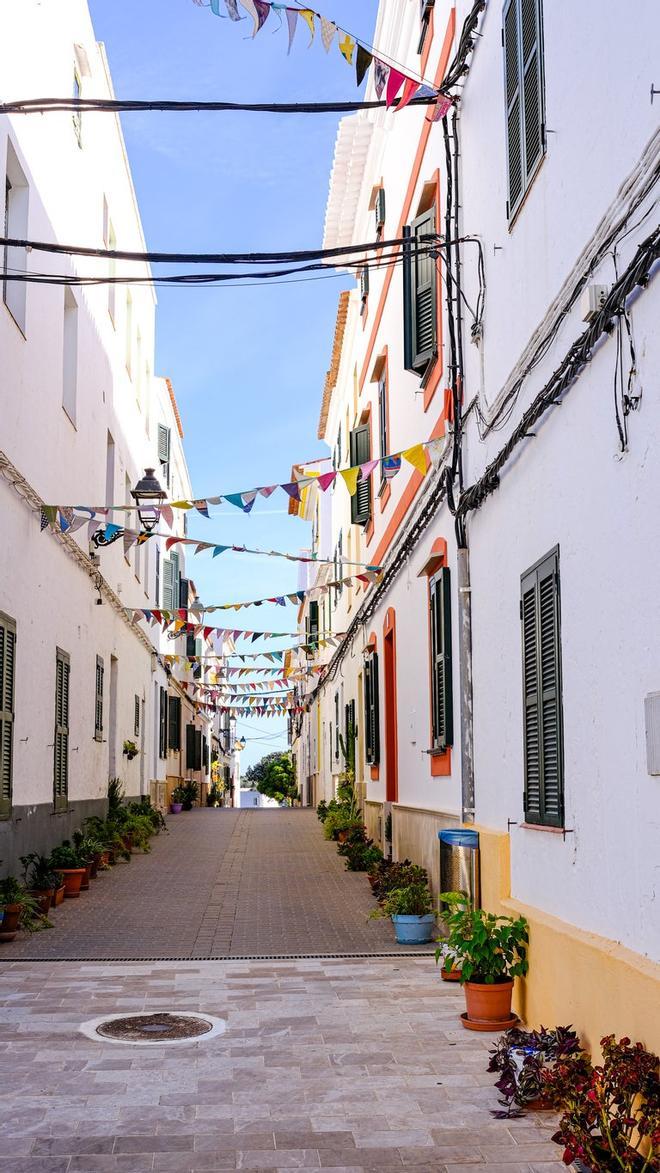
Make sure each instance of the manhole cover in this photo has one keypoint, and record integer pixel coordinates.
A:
(162, 1027)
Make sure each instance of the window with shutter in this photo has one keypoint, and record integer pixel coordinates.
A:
(420, 307)
(542, 707)
(61, 746)
(205, 755)
(174, 723)
(164, 445)
(184, 590)
(380, 212)
(198, 750)
(157, 583)
(425, 19)
(190, 747)
(162, 724)
(336, 726)
(98, 703)
(136, 716)
(364, 287)
(371, 710)
(382, 422)
(312, 633)
(360, 453)
(171, 583)
(442, 709)
(7, 691)
(525, 97)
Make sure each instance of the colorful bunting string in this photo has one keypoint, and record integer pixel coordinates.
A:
(352, 49)
(295, 597)
(421, 456)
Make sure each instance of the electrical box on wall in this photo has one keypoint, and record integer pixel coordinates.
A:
(592, 300)
(652, 727)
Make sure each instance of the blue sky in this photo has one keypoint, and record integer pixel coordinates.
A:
(247, 364)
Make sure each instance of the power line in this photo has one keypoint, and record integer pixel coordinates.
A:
(125, 106)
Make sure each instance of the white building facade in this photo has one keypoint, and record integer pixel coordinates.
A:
(82, 417)
(505, 673)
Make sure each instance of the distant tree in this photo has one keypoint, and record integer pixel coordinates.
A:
(274, 777)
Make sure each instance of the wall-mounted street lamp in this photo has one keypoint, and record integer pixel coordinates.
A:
(148, 495)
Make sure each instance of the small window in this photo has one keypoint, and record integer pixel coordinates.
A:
(136, 716)
(14, 259)
(157, 577)
(522, 40)
(170, 582)
(164, 447)
(442, 709)
(61, 746)
(174, 723)
(360, 453)
(336, 726)
(98, 706)
(364, 288)
(420, 307)
(426, 7)
(70, 356)
(371, 710)
(312, 623)
(7, 693)
(382, 422)
(162, 723)
(542, 701)
(379, 213)
(77, 115)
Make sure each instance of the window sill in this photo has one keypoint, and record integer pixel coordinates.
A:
(543, 827)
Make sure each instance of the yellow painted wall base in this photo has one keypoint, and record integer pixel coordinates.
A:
(575, 977)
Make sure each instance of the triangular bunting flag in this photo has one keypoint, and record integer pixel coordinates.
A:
(292, 21)
(328, 30)
(409, 90)
(417, 457)
(326, 479)
(362, 63)
(350, 477)
(167, 515)
(394, 83)
(347, 47)
(308, 16)
(442, 107)
(381, 73)
(219, 550)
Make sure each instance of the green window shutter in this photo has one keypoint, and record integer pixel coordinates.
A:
(380, 211)
(136, 715)
(98, 704)
(184, 591)
(336, 726)
(313, 623)
(360, 452)
(157, 584)
(61, 746)
(190, 747)
(205, 755)
(371, 710)
(7, 690)
(191, 645)
(382, 419)
(419, 296)
(364, 283)
(164, 445)
(174, 723)
(525, 98)
(171, 583)
(542, 708)
(198, 750)
(442, 708)
(162, 723)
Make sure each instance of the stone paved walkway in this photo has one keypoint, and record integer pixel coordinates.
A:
(346, 1065)
(221, 883)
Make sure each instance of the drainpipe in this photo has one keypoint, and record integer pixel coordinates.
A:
(465, 675)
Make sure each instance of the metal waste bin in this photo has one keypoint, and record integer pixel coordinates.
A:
(459, 863)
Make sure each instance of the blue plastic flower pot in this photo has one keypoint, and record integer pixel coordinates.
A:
(413, 930)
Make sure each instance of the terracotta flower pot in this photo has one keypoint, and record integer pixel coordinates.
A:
(58, 896)
(43, 897)
(73, 879)
(488, 1006)
(11, 918)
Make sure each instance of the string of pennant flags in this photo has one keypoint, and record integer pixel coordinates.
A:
(396, 84)
(421, 456)
(206, 661)
(296, 597)
(182, 627)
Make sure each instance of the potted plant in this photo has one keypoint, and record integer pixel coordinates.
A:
(40, 880)
(491, 951)
(176, 803)
(73, 868)
(361, 854)
(130, 750)
(389, 874)
(18, 909)
(90, 850)
(190, 791)
(521, 1058)
(411, 910)
(611, 1111)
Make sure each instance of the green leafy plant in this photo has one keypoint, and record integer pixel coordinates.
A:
(190, 791)
(611, 1111)
(389, 874)
(322, 811)
(274, 776)
(489, 948)
(66, 857)
(130, 749)
(12, 892)
(115, 795)
(388, 828)
(360, 854)
(87, 846)
(38, 872)
(178, 794)
(521, 1057)
(413, 900)
(145, 810)
(342, 819)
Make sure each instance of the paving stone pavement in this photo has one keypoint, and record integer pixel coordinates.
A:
(351, 1065)
(221, 883)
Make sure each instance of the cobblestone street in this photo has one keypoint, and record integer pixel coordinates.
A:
(349, 1065)
(221, 883)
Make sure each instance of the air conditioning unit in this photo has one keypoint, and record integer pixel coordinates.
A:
(592, 299)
